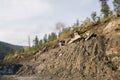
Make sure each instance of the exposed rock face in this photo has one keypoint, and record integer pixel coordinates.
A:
(75, 37)
(94, 58)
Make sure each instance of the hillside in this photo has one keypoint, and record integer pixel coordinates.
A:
(6, 47)
(95, 55)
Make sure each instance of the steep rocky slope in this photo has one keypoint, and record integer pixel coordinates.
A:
(94, 58)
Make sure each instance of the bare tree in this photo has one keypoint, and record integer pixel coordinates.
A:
(59, 26)
(29, 42)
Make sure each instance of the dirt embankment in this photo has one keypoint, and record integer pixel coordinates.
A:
(97, 58)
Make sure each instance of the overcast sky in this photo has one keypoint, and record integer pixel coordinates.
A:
(21, 18)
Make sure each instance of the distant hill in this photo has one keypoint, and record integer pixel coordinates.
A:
(6, 47)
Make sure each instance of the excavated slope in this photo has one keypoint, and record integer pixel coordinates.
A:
(97, 58)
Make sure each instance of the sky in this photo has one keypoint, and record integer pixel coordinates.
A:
(22, 18)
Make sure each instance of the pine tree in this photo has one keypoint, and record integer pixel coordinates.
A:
(45, 39)
(36, 42)
(105, 8)
(116, 4)
(77, 22)
(52, 36)
(40, 42)
(93, 16)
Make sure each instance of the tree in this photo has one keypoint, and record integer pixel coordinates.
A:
(116, 4)
(52, 36)
(77, 22)
(59, 26)
(105, 8)
(36, 41)
(45, 39)
(87, 21)
(94, 16)
(29, 42)
(40, 42)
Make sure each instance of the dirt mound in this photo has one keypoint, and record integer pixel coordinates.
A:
(97, 58)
